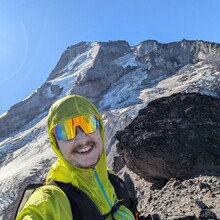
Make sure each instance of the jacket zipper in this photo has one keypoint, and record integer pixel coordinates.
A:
(102, 188)
(105, 194)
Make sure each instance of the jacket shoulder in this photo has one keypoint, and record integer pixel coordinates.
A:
(46, 202)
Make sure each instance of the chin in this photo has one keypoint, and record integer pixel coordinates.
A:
(90, 165)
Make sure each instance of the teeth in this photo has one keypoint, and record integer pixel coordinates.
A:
(83, 150)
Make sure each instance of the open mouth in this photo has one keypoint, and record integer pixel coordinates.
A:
(85, 149)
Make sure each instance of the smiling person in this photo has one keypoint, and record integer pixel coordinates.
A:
(79, 184)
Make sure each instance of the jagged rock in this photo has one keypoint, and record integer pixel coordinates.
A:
(168, 59)
(201, 204)
(172, 203)
(104, 71)
(205, 214)
(190, 217)
(25, 111)
(118, 163)
(176, 136)
(67, 56)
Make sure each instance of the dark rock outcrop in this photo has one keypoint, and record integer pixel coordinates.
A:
(176, 136)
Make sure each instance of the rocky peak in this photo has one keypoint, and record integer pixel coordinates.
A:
(104, 71)
(68, 55)
(114, 49)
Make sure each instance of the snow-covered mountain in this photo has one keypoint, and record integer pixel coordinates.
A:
(119, 79)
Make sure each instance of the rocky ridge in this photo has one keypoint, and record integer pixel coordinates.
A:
(189, 199)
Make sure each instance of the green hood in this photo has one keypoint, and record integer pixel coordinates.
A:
(69, 107)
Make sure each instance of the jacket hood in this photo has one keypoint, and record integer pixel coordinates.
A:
(69, 107)
(94, 181)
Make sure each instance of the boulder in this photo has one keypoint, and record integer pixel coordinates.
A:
(173, 137)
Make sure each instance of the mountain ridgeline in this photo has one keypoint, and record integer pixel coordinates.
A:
(159, 102)
(107, 62)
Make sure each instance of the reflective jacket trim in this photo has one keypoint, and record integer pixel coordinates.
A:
(102, 188)
(125, 213)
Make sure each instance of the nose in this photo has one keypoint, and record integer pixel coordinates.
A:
(80, 134)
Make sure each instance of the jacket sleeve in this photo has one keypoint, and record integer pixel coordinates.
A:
(46, 203)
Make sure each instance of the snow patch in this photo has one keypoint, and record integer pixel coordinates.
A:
(23, 154)
(65, 82)
(2, 115)
(76, 70)
(128, 60)
(35, 91)
(124, 92)
(84, 60)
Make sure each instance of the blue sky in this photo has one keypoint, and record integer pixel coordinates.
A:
(34, 33)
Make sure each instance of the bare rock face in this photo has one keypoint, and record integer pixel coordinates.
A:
(23, 112)
(197, 198)
(104, 71)
(67, 56)
(174, 137)
(168, 59)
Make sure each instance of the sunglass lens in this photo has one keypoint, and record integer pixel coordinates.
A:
(66, 129)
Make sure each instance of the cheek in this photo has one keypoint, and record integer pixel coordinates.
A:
(96, 136)
(97, 139)
(64, 147)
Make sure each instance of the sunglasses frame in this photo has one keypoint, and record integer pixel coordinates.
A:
(66, 130)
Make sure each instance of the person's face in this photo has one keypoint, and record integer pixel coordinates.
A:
(84, 150)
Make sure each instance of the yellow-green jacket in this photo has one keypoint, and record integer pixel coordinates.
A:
(50, 202)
